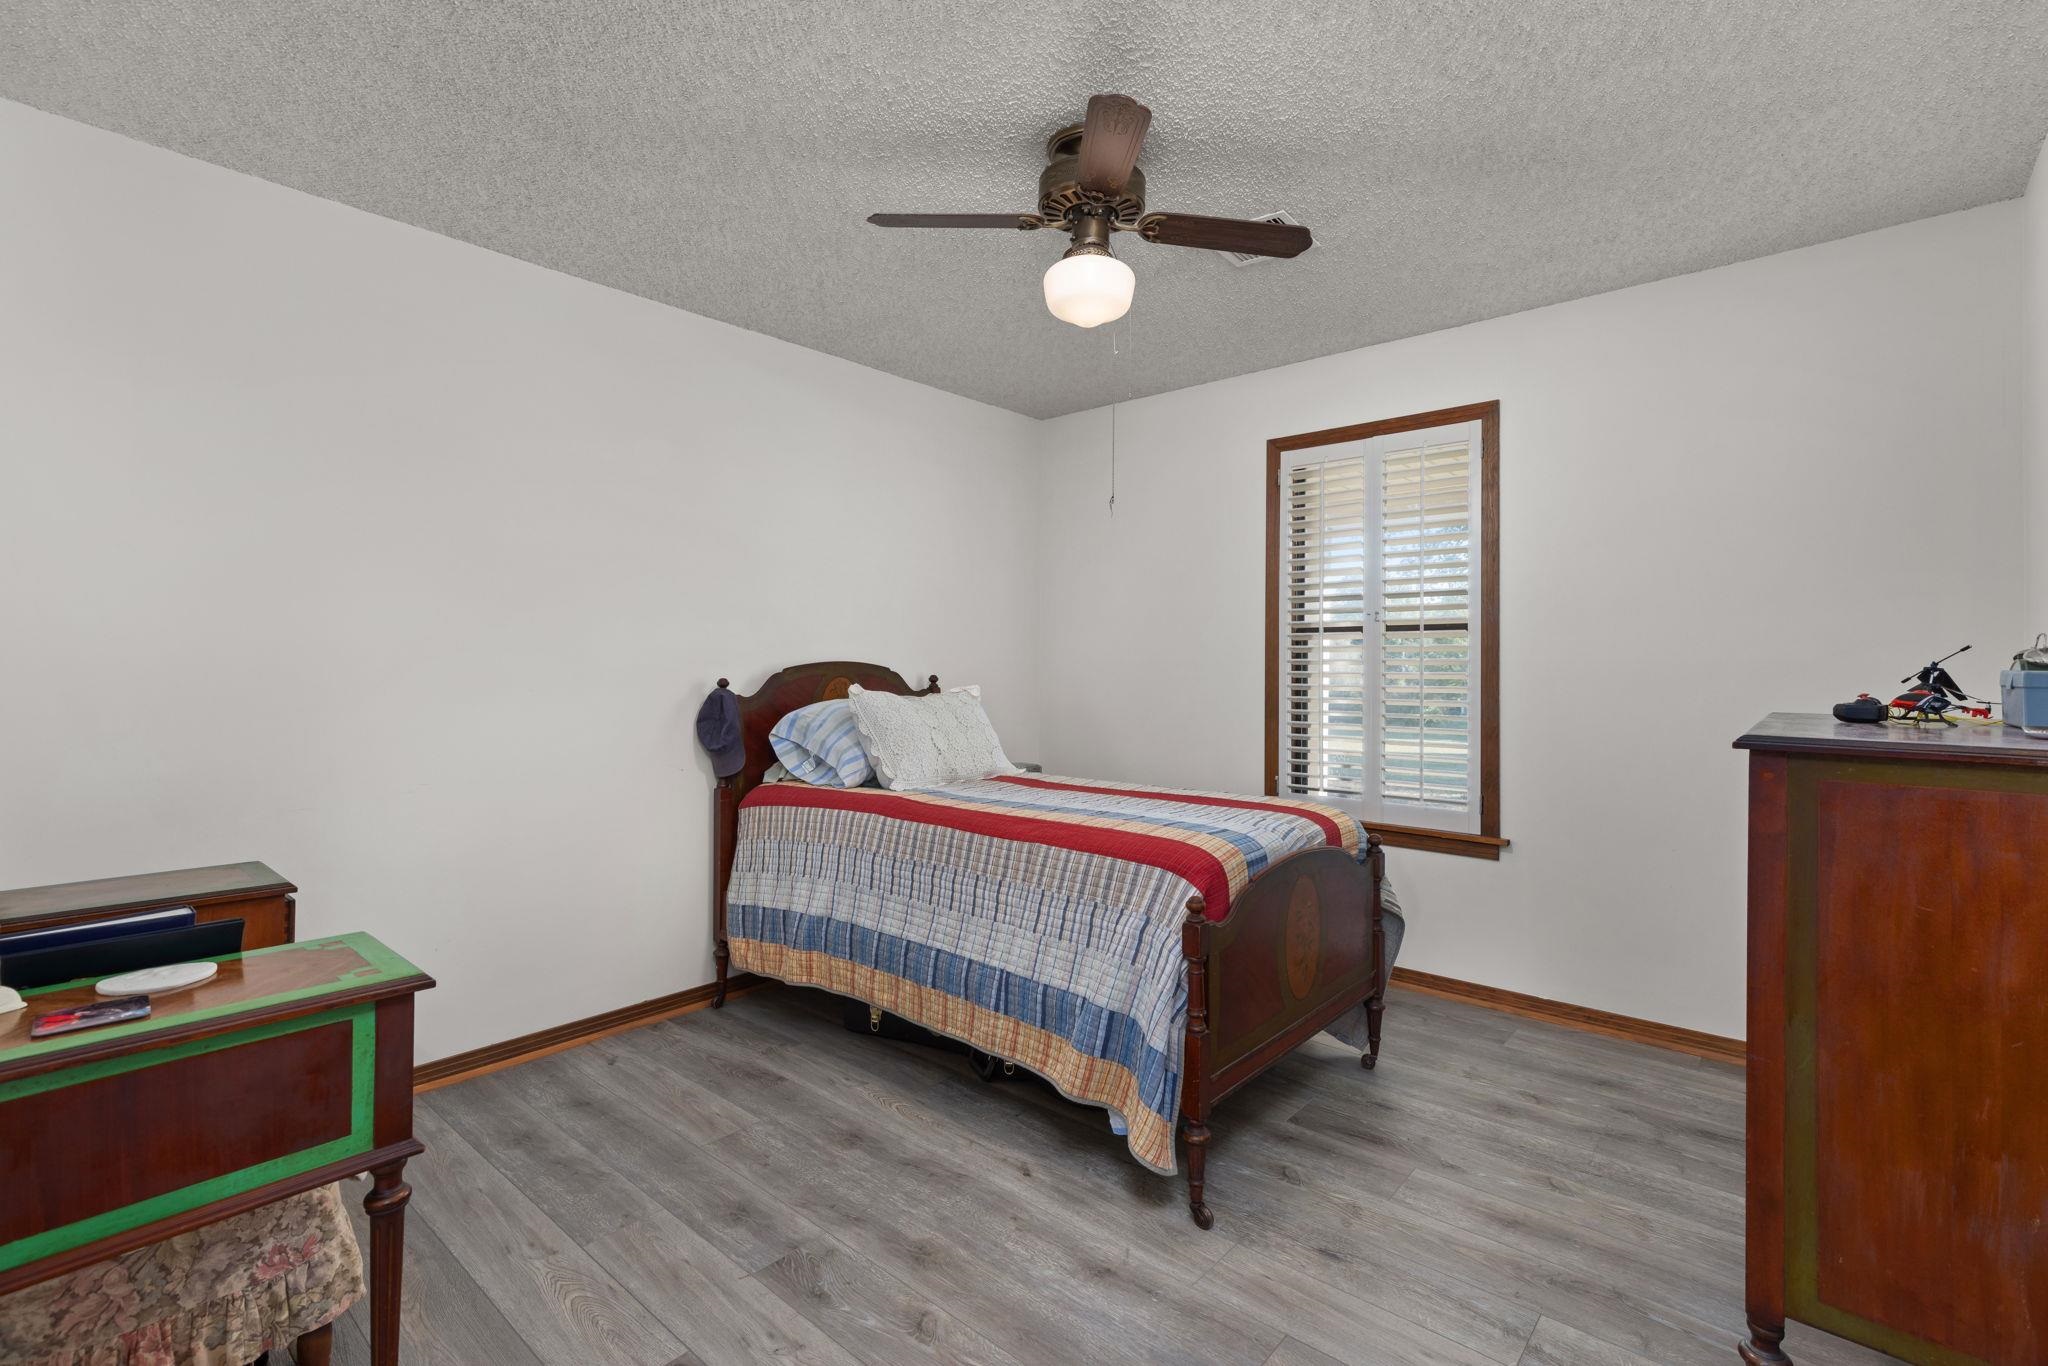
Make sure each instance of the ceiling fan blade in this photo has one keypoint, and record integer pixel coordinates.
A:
(1225, 234)
(1110, 142)
(1022, 221)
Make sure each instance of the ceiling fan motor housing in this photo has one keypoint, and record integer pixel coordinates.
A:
(1092, 188)
(1060, 195)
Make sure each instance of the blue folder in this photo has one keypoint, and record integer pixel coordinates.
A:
(93, 931)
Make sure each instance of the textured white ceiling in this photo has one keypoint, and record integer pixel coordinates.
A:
(1457, 159)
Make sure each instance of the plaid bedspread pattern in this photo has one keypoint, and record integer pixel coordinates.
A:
(1035, 918)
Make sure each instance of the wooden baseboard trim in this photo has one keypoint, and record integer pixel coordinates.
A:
(1700, 1045)
(493, 1057)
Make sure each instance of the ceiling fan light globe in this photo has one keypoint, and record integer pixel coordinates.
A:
(1089, 289)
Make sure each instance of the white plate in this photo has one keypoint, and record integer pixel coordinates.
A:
(155, 981)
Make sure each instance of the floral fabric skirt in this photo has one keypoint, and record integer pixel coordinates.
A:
(217, 1296)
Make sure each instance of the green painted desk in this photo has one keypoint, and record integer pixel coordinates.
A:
(290, 1069)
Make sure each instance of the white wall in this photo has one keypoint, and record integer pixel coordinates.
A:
(1763, 487)
(403, 566)
(2034, 393)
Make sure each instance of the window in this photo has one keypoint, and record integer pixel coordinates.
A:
(1382, 680)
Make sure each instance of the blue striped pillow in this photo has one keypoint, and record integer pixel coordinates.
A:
(820, 744)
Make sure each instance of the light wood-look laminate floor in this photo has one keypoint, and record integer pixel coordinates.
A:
(758, 1184)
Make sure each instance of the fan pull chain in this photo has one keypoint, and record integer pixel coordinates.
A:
(1116, 348)
(1112, 460)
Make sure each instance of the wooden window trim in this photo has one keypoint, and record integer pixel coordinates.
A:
(1488, 843)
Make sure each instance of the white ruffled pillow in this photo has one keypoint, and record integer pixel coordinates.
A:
(917, 742)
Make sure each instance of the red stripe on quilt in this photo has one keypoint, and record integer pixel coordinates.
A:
(1175, 856)
(1332, 832)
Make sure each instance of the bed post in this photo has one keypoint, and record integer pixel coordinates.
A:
(728, 821)
(1376, 1004)
(723, 836)
(1194, 1091)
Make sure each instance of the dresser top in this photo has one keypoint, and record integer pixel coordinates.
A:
(185, 886)
(1799, 732)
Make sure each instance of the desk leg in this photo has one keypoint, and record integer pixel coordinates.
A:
(385, 1205)
(315, 1348)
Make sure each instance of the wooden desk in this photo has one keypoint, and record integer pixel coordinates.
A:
(1898, 1037)
(249, 892)
(290, 1069)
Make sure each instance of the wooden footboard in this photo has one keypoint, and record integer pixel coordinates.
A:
(1303, 944)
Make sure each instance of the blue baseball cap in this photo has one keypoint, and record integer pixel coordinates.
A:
(718, 730)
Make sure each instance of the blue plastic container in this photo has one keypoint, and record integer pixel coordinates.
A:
(2023, 699)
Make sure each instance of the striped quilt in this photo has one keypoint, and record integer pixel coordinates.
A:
(1035, 918)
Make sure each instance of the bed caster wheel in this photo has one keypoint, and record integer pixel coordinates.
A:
(1204, 1220)
(1368, 1061)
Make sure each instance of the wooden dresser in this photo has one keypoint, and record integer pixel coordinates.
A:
(1898, 1039)
(250, 892)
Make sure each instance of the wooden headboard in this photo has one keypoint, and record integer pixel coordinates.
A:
(799, 685)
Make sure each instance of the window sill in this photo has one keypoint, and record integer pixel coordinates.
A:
(1438, 841)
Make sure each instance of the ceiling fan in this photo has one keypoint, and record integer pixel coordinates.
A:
(1092, 187)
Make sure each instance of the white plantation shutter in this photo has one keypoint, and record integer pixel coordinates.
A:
(1324, 661)
(1379, 583)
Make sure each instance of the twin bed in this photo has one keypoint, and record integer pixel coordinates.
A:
(1145, 950)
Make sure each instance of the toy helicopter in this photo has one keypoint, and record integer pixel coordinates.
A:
(1933, 695)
